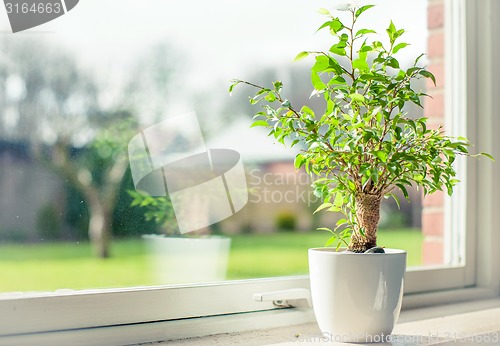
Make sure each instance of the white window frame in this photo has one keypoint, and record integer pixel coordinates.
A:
(472, 83)
(144, 314)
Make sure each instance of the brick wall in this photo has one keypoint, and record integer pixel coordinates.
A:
(433, 205)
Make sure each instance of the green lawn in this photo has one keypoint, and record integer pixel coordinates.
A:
(286, 253)
(47, 267)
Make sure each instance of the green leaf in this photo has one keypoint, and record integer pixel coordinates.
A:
(399, 46)
(366, 49)
(401, 75)
(330, 241)
(381, 155)
(357, 97)
(336, 25)
(360, 64)
(362, 9)
(231, 87)
(321, 64)
(342, 222)
(270, 97)
(335, 66)
(404, 191)
(335, 49)
(378, 45)
(301, 56)
(361, 32)
(398, 33)
(324, 229)
(376, 111)
(334, 209)
(427, 74)
(339, 200)
(338, 80)
(418, 58)
(391, 30)
(393, 167)
(299, 161)
(396, 199)
(488, 156)
(418, 178)
(259, 123)
(307, 110)
(324, 25)
(323, 206)
(323, 11)
(316, 82)
(392, 62)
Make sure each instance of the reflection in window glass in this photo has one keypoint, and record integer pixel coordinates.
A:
(75, 92)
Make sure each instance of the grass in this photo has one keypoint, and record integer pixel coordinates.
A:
(47, 267)
(41, 267)
(281, 254)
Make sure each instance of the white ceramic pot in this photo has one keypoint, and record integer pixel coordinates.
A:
(188, 260)
(356, 297)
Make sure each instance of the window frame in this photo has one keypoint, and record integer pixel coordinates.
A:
(145, 314)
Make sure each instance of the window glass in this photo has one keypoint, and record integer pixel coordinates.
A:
(115, 98)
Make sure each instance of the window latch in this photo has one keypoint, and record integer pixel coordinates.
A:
(294, 297)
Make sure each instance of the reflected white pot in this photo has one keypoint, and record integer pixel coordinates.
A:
(188, 260)
(356, 297)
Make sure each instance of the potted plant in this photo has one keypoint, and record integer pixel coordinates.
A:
(181, 258)
(360, 148)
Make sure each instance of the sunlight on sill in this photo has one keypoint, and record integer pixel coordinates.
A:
(468, 323)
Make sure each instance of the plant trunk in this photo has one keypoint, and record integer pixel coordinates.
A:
(100, 229)
(368, 216)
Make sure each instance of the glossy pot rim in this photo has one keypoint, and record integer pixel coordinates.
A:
(328, 251)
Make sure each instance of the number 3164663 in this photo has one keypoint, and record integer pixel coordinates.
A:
(41, 7)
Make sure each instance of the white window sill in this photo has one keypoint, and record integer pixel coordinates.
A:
(452, 315)
(469, 323)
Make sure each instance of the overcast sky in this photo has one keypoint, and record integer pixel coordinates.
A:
(218, 39)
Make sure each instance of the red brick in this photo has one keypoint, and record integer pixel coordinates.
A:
(433, 205)
(434, 107)
(433, 252)
(434, 200)
(435, 15)
(433, 222)
(435, 44)
(437, 69)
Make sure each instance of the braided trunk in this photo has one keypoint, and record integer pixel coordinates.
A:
(368, 215)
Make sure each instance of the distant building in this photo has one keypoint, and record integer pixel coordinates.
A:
(27, 191)
(279, 195)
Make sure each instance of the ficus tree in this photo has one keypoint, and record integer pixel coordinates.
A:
(363, 145)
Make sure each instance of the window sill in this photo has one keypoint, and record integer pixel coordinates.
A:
(279, 324)
(468, 323)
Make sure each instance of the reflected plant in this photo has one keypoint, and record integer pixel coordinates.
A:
(363, 145)
(157, 209)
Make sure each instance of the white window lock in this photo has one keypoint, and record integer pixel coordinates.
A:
(294, 297)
